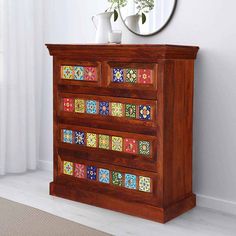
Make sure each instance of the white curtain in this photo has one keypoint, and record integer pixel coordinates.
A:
(17, 89)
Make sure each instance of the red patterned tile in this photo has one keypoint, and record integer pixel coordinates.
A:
(90, 73)
(68, 104)
(80, 171)
(131, 145)
(144, 76)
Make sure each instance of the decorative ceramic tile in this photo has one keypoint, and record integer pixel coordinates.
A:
(145, 76)
(104, 176)
(79, 106)
(91, 107)
(67, 72)
(117, 144)
(91, 172)
(130, 110)
(104, 141)
(117, 178)
(79, 72)
(145, 112)
(117, 109)
(79, 138)
(118, 75)
(130, 181)
(104, 108)
(144, 147)
(90, 73)
(131, 76)
(130, 145)
(68, 168)
(68, 104)
(67, 136)
(91, 140)
(144, 184)
(80, 171)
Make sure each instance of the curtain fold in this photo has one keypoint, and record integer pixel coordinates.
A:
(17, 89)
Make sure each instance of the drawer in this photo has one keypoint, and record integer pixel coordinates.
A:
(81, 73)
(127, 183)
(108, 109)
(118, 148)
(132, 76)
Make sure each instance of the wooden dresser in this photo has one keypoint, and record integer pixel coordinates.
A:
(123, 127)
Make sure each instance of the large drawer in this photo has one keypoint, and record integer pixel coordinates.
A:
(119, 182)
(117, 148)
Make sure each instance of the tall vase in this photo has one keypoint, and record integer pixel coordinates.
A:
(102, 23)
(133, 22)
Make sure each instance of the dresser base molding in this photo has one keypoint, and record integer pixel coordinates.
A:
(131, 208)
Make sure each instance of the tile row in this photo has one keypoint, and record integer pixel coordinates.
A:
(129, 181)
(105, 108)
(79, 73)
(107, 142)
(132, 76)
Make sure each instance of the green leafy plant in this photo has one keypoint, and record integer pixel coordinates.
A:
(144, 7)
(114, 5)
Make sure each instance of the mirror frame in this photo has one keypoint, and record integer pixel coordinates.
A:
(155, 32)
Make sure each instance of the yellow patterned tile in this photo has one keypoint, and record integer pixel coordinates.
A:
(79, 106)
(117, 144)
(91, 140)
(117, 109)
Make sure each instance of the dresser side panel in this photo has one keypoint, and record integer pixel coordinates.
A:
(178, 113)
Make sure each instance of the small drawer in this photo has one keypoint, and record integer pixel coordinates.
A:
(136, 76)
(79, 73)
(114, 180)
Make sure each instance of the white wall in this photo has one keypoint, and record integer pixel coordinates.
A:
(208, 24)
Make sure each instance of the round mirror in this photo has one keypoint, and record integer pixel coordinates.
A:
(146, 17)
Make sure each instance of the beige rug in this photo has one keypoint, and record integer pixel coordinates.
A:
(20, 220)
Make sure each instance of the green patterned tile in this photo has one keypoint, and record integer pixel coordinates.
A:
(130, 110)
(104, 141)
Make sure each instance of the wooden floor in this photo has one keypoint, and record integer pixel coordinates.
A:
(32, 189)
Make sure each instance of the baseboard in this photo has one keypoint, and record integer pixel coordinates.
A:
(216, 204)
(45, 165)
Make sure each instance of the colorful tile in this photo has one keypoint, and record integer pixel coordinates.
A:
(104, 141)
(80, 171)
(67, 72)
(91, 140)
(68, 168)
(68, 104)
(92, 172)
(130, 181)
(144, 148)
(90, 73)
(144, 112)
(104, 176)
(79, 72)
(117, 143)
(118, 75)
(91, 107)
(130, 110)
(104, 108)
(130, 145)
(131, 76)
(144, 184)
(79, 138)
(117, 178)
(79, 106)
(145, 76)
(67, 136)
(117, 109)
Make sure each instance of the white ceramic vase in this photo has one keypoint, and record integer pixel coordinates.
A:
(102, 23)
(133, 23)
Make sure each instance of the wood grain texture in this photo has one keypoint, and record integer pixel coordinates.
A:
(169, 130)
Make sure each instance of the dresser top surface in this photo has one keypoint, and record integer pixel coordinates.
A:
(155, 51)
